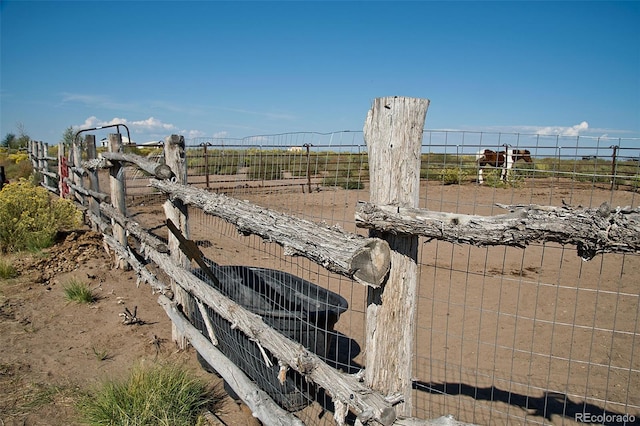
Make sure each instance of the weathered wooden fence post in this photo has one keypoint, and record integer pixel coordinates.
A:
(76, 160)
(44, 163)
(206, 163)
(94, 205)
(39, 160)
(176, 211)
(613, 166)
(33, 150)
(393, 134)
(63, 170)
(118, 194)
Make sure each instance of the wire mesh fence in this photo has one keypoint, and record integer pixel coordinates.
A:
(504, 335)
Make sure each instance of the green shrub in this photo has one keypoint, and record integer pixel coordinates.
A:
(156, 395)
(452, 175)
(77, 291)
(30, 217)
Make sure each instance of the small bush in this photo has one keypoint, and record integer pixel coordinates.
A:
(77, 291)
(7, 270)
(30, 218)
(156, 395)
(451, 176)
(345, 182)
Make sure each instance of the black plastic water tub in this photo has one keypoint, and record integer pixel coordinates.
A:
(297, 308)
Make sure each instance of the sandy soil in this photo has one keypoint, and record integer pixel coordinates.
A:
(491, 321)
(52, 349)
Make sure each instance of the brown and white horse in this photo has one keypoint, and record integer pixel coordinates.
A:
(504, 159)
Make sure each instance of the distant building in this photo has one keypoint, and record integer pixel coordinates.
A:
(125, 141)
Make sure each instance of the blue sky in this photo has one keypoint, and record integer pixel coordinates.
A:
(236, 69)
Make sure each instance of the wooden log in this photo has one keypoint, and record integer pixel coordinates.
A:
(94, 185)
(592, 231)
(365, 403)
(134, 228)
(32, 149)
(261, 405)
(53, 189)
(176, 211)
(78, 171)
(101, 196)
(367, 260)
(44, 165)
(76, 158)
(393, 133)
(63, 170)
(118, 194)
(97, 163)
(124, 254)
(52, 175)
(160, 171)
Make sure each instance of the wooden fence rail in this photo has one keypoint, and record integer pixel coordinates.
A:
(385, 261)
(364, 259)
(592, 231)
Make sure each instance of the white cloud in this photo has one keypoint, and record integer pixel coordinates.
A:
(190, 134)
(149, 125)
(222, 134)
(574, 130)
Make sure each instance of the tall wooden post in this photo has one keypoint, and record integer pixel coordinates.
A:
(76, 160)
(613, 166)
(393, 133)
(176, 211)
(94, 205)
(33, 150)
(63, 170)
(118, 193)
(44, 164)
(307, 146)
(206, 163)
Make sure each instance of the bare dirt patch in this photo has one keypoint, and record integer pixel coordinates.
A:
(52, 350)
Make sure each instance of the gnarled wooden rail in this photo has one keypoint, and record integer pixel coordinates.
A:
(367, 260)
(160, 171)
(592, 231)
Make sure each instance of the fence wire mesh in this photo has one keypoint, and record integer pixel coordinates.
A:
(504, 335)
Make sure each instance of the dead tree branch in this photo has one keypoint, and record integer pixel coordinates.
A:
(592, 231)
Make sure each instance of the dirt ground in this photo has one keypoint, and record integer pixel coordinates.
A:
(52, 349)
(492, 320)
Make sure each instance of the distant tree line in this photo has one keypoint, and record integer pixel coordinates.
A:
(16, 142)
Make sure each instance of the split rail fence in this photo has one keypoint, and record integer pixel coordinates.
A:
(418, 313)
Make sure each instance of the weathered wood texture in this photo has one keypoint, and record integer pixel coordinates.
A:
(106, 198)
(393, 133)
(176, 211)
(592, 231)
(63, 171)
(261, 405)
(77, 178)
(90, 148)
(134, 228)
(117, 186)
(160, 171)
(342, 387)
(345, 388)
(364, 259)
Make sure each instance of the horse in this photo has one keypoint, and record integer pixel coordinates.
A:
(504, 159)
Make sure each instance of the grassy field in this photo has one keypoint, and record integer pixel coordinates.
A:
(350, 170)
